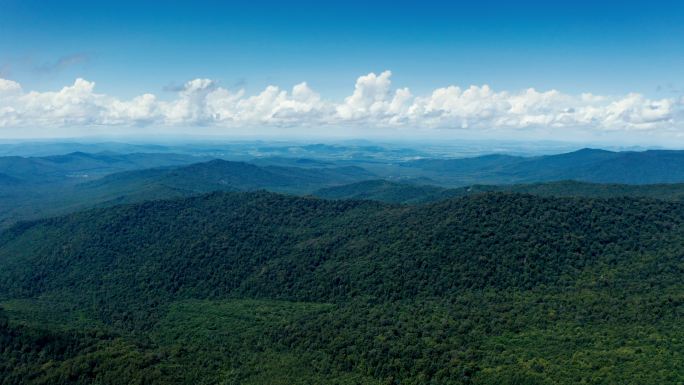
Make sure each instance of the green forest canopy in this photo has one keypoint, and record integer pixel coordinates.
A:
(258, 287)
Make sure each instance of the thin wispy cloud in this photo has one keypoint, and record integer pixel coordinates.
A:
(61, 63)
(5, 70)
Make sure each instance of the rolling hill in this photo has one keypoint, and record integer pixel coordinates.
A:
(31, 201)
(79, 166)
(258, 287)
(586, 165)
(221, 175)
(36, 187)
(6, 180)
(393, 192)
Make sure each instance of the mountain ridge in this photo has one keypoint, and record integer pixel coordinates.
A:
(586, 165)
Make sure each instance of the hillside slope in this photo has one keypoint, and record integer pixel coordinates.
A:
(30, 201)
(465, 290)
(79, 166)
(221, 174)
(392, 192)
(586, 165)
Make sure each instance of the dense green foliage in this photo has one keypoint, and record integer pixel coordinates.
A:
(220, 243)
(263, 288)
(392, 192)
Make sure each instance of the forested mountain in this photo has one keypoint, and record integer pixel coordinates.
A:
(6, 180)
(587, 165)
(220, 175)
(78, 166)
(390, 192)
(256, 287)
(36, 187)
(393, 192)
(31, 201)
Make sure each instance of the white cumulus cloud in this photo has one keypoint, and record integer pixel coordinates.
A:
(9, 87)
(373, 102)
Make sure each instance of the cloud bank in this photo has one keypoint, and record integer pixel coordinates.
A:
(374, 102)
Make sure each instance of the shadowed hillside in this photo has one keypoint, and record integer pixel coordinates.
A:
(392, 192)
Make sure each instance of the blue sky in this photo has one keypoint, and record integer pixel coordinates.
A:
(129, 48)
